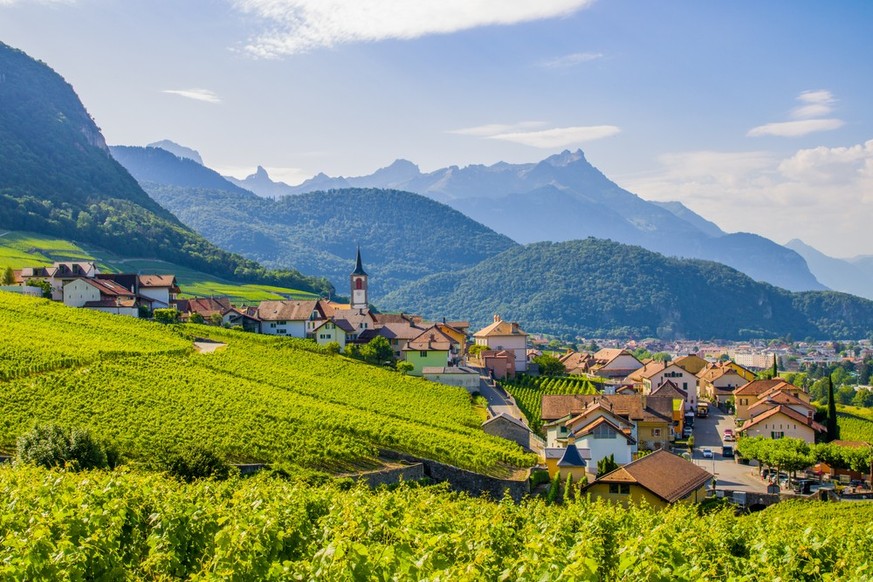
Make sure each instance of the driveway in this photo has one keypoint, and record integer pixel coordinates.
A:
(497, 402)
(729, 474)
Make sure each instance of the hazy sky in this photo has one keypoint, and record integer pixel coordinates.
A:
(757, 115)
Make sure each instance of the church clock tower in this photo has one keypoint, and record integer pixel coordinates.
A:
(359, 284)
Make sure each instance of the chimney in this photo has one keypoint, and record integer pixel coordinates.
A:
(496, 318)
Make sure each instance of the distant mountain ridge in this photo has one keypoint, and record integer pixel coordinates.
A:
(177, 150)
(598, 288)
(564, 197)
(57, 177)
(849, 275)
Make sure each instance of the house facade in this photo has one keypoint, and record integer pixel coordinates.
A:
(505, 336)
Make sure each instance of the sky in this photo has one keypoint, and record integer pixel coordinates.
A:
(756, 115)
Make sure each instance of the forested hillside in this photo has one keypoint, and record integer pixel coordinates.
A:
(599, 288)
(57, 177)
(403, 236)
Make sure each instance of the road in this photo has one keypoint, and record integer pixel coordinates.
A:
(729, 474)
(497, 403)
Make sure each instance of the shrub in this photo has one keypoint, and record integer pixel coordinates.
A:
(195, 463)
(51, 446)
(169, 315)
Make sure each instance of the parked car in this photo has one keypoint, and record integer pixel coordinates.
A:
(727, 451)
(728, 435)
(687, 431)
(707, 453)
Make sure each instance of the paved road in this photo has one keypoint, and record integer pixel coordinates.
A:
(729, 474)
(207, 347)
(497, 403)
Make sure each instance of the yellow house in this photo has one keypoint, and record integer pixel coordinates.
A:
(660, 479)
(745, 373)
(691, 363)
(456, 334)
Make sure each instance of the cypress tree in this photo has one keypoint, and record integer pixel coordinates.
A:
(832, 426)
(775, 370)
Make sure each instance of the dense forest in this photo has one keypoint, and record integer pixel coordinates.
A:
(57, 177)
(600, 288)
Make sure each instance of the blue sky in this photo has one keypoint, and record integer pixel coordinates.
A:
(754, 114)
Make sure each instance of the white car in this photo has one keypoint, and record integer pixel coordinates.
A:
(707, 453)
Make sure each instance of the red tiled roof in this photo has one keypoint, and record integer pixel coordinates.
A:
(500, 328)
(157, 280)
(757, 387)
(286, 310)
(634, 407)
(431, 339)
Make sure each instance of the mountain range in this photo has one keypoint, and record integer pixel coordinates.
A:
(564, 197)
(853, 275)
(57, 177)
(404, 236)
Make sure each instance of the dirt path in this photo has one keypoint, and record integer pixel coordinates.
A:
(208, 347)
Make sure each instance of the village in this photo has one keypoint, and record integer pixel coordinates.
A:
(662, 431)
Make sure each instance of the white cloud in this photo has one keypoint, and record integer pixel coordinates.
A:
(822, 195)
(297, 26)
(493, 129)
(809, 117)
(570, 60)
(196, 94)
(795, 128)
(559, 136)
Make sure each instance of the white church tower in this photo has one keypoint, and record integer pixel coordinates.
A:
(359, 285)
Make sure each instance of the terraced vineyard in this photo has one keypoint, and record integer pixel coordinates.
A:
(124, 525)
(528, 392)
(141, 386)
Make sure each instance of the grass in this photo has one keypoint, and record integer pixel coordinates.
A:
(20, 249)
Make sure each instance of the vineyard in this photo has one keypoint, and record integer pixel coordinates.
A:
(141, 386)
(125, 525)
(528, 392)
(856, 424)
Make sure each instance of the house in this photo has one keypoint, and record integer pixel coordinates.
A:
(781, 422)
(577, 363)
(614, 363)
(333, 330)
(509, 428)
(774, 398)
(454, 376)
(691, 363)
(430, 349)
(717, 382)
(59, 274)
(651, 417)
(503, 335)
(596, 428)
(459, 334)
(748, 394)
(556, 455)
(647, 369)
(398, 334)
(361, 320)
(653, 377)
(100, 295)
(837, 472)
(209, 308)
(241, 317)
(499, 363)
(659, 479)
(161, 289)
(679, 397)
(289, 318)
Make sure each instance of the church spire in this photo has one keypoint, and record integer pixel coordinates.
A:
(359, 267)
(359, 299)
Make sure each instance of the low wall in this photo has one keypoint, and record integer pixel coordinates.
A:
(411, 472)
(465, 481)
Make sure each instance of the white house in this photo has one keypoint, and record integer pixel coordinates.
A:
(333, 330)
(288, 318)
(682, 378)
(503, 335)
(100, 295)
(161, 289)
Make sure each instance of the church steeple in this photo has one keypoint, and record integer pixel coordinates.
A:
(358, 278)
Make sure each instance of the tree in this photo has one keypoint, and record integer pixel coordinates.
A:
(775, 368)
(42, 284)
(195, 462)
(404, 367)
(333, 348)
(168, 315)
(196, 318)
(476, 349)
(8, 276)
(606, 465)
(550, 365)
(831, 423)
(215, 319)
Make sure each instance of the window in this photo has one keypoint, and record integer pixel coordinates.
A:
(776, 435)
(272, 326)
(423, 354)
(282, 322)
(656, 432)
(619, 488)
(282, 331)
(604, 431)
(563, 430)
(685, 385)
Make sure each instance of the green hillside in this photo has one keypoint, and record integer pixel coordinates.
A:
(58, 178)
(599, 288)
(25, 249)
(141, 386)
